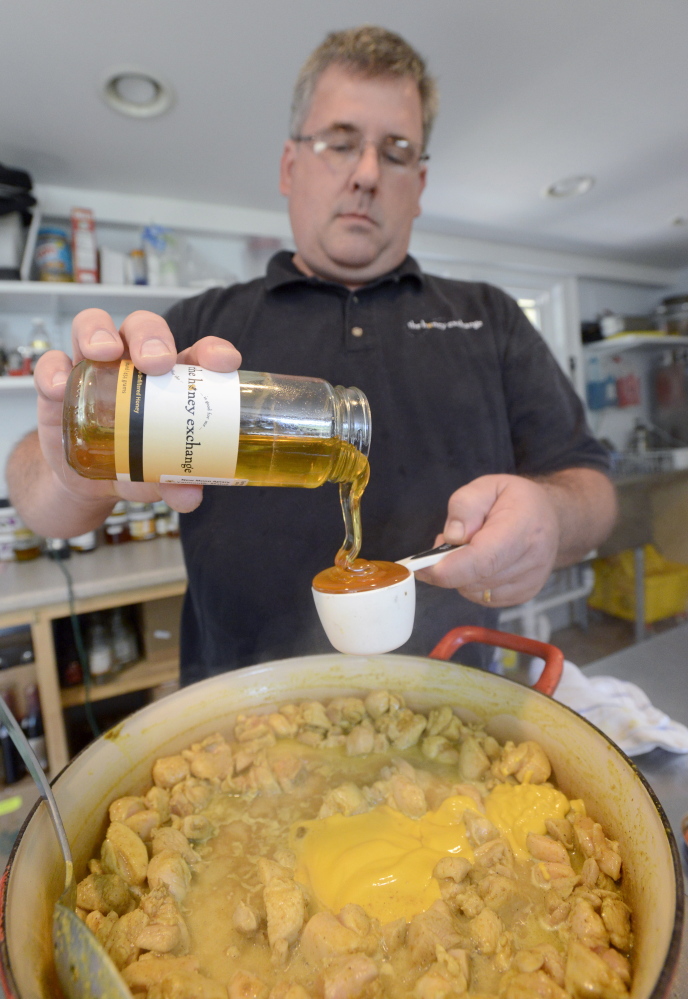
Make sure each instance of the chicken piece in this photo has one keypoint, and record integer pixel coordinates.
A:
(561, 877)
(534, 985)
(618, 963)
(429, 928)
(448, 976)
(346, 712)
(495, 853)
(360, 740)
(561, 830)
(616, 917)
(347, 977)
(485, 931)
(467, 901)
(473, 760)
(589, 976)
(479, 829)
(407, 796)
(589, 872)
(455, 868)
(347, 799)
(145, 973)
(289, 771)
(380, 702)
(403, 728)
(158, 800)
(527, 762)
(469, 791)
(245, 919)
(269, 869)
(249, 727)
(210, 759)
(437, 747)
(587, 925)
(247, 986)
(314, 716)
(189, 796)
(124, 853)
(285, 908)
(144, 823)
(101, 926)
(495, 890)
(324, 937)
(121, 943)
(197, 828)
(187, 985)
(174, 840)
(281, 726)
(543, 956)
(167, 930)
(355, 918)
(122, 808)
(439, 719)
(171, 870)
(593, 843)
(394, 935)
(547, 849)
(104, 892)
(170, 770)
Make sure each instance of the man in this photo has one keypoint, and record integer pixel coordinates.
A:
(477, 435)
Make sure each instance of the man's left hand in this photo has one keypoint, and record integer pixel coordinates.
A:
(516, 530)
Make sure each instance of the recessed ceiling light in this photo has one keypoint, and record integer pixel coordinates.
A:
(136, 93)
(570, 187)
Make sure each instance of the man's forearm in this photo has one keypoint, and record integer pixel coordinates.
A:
(44, 503)
(585, 503)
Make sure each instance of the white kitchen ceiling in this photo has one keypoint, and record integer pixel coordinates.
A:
(533, 91)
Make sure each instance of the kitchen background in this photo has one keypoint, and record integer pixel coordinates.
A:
(557, 171)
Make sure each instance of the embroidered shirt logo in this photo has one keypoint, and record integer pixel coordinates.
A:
(444, 324)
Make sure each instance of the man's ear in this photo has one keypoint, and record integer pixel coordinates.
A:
(286, 167)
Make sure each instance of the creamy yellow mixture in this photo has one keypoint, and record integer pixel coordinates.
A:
(358, 850)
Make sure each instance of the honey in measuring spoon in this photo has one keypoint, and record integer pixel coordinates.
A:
(351, 574)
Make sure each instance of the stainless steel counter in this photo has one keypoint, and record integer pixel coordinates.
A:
(660, 667)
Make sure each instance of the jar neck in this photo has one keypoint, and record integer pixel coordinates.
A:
(352, 418)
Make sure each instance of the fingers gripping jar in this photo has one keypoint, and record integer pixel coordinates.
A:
(210, 428)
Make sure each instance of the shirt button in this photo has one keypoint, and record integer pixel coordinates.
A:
(356, 331)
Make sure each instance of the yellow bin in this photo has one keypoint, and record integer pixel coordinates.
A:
(666, 586)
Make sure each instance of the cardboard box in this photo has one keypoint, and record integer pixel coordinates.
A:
(160, 620)
(84, 248)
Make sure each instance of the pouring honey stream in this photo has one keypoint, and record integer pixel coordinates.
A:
(351, 574)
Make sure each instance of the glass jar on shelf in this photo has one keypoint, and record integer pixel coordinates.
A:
(141, 520)
(116, 527)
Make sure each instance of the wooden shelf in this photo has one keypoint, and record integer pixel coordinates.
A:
(141, 676)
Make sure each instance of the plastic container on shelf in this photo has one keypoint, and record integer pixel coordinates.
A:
(53, 254)
(666, 586)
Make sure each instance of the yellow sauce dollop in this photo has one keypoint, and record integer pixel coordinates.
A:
(383, 861)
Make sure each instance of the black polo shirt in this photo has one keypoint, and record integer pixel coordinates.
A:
(459, 384)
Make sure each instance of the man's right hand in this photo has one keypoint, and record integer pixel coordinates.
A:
(145, 338)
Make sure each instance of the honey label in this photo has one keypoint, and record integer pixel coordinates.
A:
(181, 427)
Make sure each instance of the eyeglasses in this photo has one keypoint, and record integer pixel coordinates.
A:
(342, 148)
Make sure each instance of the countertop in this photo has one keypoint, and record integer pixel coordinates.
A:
(108, 569)
(660, 667)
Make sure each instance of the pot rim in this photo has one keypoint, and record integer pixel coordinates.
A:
(661, 986)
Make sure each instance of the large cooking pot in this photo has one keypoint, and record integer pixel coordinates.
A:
(585, 762)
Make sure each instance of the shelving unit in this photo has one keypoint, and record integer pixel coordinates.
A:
(633, 341)
(69, 298)
(35, 594)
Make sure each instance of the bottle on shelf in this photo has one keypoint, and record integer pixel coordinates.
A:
(12, 762)
(99, 651)
(116, 526)
(125, 643)
(166, 520)
(141, 519)
(32, 724)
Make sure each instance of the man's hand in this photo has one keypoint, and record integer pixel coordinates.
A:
(50, 495)
(517, 530)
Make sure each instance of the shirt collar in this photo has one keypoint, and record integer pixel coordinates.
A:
(282, 271)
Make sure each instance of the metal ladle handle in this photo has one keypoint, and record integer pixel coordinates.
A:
(36, 771)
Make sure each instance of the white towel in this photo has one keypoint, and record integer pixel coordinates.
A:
(622, 710)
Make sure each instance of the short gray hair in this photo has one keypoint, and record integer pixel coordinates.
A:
(368, 51)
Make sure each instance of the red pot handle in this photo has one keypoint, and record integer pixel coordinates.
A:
(554, 657)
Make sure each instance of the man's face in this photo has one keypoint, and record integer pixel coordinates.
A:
(353, 225)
